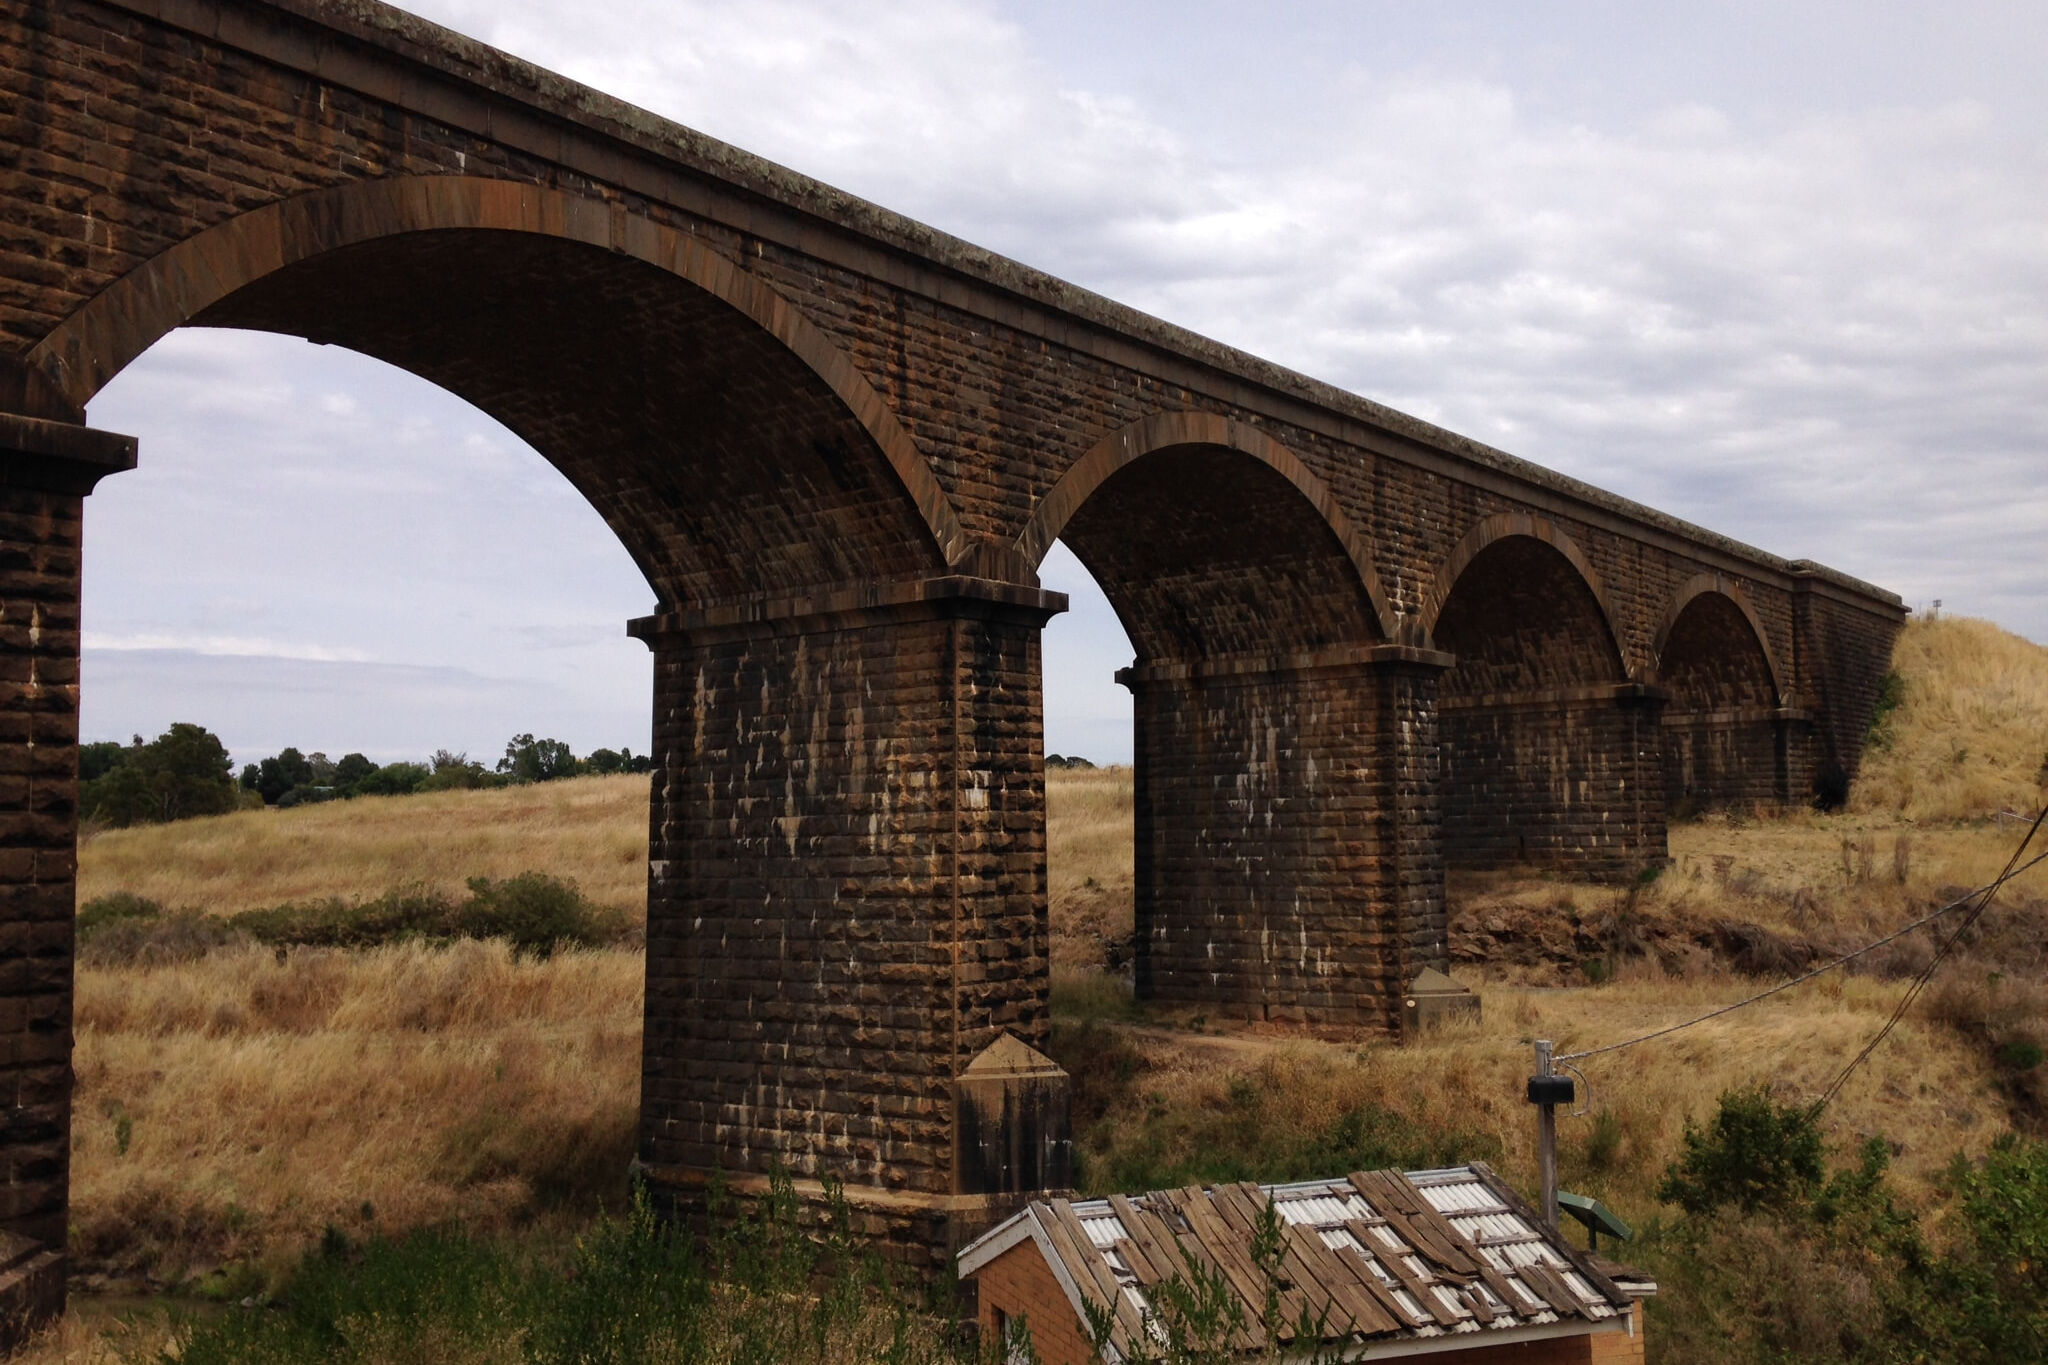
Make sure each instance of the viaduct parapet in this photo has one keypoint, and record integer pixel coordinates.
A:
(838, 444)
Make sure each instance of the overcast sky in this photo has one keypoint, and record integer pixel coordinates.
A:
(1779, 269)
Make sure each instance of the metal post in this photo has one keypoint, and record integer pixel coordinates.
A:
(1546, 1138)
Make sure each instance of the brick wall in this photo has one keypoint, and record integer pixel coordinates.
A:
(1549, 757)
(847, 894)
(1574, 785)
(39, 563)
(46, 469)
(1019, 1286)
(1844, 649)
(1270, 875)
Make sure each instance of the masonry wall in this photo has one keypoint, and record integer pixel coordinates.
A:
(1844, 651)
(128, 135)
(1727, 759)
(847, 893)
(847, 873)
(39, 568)
(1286, 869)
(1571, 785)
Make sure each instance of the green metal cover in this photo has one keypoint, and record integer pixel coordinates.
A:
(1595, 1215)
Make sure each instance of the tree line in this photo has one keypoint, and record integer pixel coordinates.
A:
(186, 772)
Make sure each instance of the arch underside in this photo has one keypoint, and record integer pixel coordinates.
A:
(1256, 875)
(1206, 553)
(726, 467)
(1543, 743)
(1722, 735)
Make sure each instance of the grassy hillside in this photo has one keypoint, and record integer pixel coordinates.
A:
(1969, 736)
(592, 830)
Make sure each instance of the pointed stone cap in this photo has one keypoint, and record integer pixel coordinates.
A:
(1434, 982)
(1009, 1056)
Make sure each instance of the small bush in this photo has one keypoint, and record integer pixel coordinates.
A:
(535, 913)
(1755, 1154)
(394, 917)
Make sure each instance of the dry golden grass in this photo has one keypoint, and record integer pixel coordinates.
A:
(1088, 863)
(1927, 1092)
(592, 830)
(230, 1109)
(1970, 737)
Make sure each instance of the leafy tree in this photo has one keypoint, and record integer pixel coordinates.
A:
(457, 772)
(607, 761)
(393, 779)
(97, 759)
(277, 775)
(181, 773)
(537, 760)
(1986, 1300)
(352, 769)
(1755, 1154)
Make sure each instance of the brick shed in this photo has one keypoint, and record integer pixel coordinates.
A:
(1450, 1264)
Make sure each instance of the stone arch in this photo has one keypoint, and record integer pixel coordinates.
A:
(1688, 594)
(1502, 526)
(1549, 751)
(193, 280)
(1118, 451)
(1723, 728)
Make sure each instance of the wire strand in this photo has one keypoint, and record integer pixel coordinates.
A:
(1985, 891)
(1927, 973)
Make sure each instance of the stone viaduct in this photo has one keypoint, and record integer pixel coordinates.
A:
(838, 443)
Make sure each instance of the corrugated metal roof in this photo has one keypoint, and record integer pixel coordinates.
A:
(1371, 1257)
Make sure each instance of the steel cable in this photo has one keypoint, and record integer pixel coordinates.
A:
(2012, 869)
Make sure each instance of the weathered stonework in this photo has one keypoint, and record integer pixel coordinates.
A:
(838, 443)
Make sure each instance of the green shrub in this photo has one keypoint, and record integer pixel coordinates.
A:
(396, 916)
(1891, 694)
(1755, 1154)
(392, 779)
(101, 911)
(535, 913)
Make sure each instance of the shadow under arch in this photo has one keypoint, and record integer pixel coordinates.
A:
(1166, 431)
(1725, 729)
(1502, 526)
(416, 270)
(1550, 751)
(1688, 594)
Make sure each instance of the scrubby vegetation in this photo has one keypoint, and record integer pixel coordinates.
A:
(631, 1289)
(533, 912)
